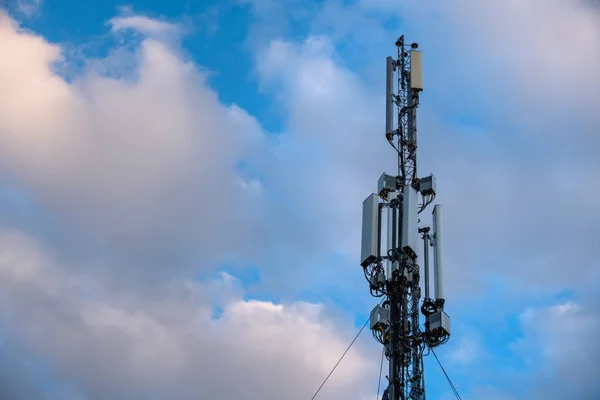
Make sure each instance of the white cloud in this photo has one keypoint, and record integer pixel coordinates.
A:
(128, 163)
(143, 24)
(330, 117)
(169, 346)
(468, 350)
(142, 172)
(129, 20)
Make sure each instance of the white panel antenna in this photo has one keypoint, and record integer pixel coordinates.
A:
(416, 70)
(370, 230)
(389, 93)
(410, 230)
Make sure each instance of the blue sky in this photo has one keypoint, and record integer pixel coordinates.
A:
(181, 187)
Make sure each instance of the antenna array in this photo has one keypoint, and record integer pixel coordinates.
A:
(395, 274)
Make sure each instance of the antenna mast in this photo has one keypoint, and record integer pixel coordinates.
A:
(396, 323)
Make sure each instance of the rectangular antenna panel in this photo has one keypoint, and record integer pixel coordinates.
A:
(393, 232)
(411, 120)
(375, 281)
(440, 321)
(416, 70)
(370, 230)
(389, 92)
(380, 318)
(427, 185)
(438, 262)
(410, 229)
(386, 184)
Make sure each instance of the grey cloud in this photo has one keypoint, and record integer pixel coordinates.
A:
(530, 199)
(334, 116)
(560, 342)
(124, 346)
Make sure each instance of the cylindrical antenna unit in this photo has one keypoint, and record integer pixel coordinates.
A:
(426, 263)
(391, 236)
(438, 262)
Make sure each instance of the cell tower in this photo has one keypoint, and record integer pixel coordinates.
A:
(395, 274)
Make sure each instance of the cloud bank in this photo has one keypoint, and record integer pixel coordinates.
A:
(171, 346)
(118, 190)
(144, 177)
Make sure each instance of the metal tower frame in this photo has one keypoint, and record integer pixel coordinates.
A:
(396, 323)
